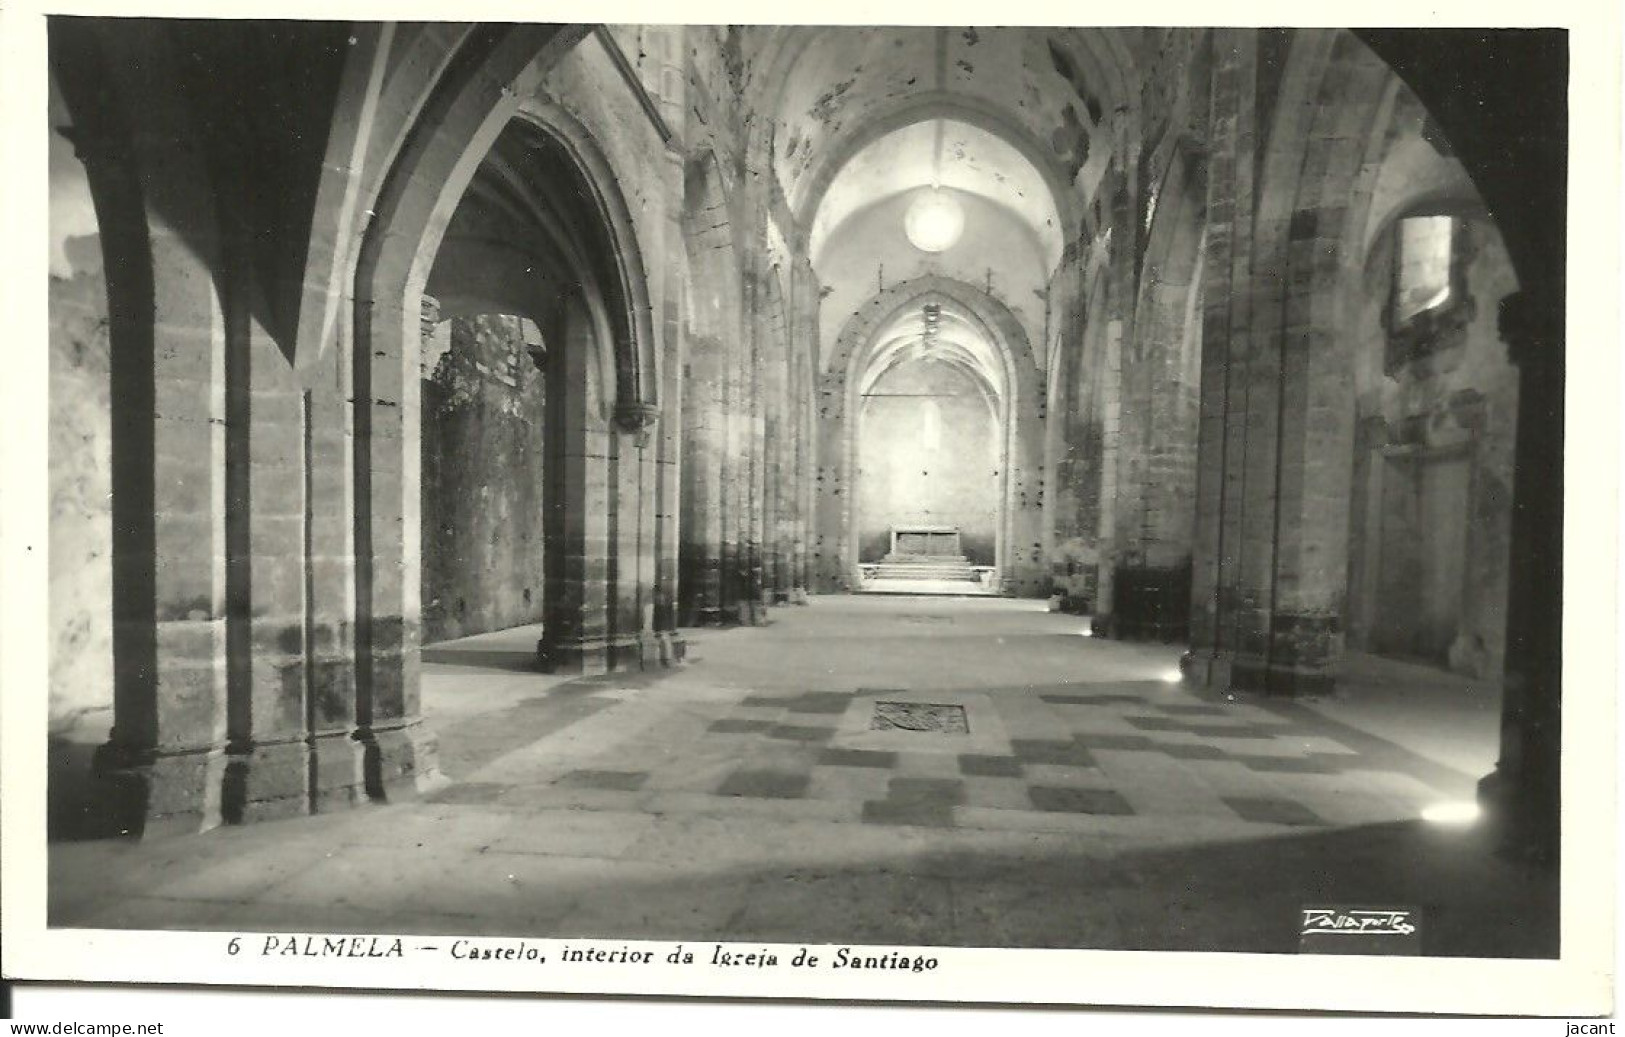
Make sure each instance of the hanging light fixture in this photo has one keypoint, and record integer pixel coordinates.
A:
(934, 219)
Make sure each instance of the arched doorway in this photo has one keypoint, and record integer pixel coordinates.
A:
(930, 450)
(530, 223)
(986, 367)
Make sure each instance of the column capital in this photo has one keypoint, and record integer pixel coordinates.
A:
(636, 416)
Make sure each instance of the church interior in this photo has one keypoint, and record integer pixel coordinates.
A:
(1041, 486)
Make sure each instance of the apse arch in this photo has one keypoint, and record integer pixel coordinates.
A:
(1018, 550)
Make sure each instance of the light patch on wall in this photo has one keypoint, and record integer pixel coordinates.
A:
(931, 419)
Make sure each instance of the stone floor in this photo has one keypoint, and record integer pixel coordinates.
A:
(870, 769)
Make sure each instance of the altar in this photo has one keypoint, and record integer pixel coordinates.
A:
(925, 540)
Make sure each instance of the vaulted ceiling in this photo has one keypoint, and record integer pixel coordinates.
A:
(1018, 125)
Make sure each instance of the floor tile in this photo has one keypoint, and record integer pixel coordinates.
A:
(765, 785)
(1272, 811)
(1079, 801)
(835, 756)
(976, 764)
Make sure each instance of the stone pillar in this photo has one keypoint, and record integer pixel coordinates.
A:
(163, 759)
(580, 496)
(1226, 337)
(705, 448)
(630, 563)
(169, 629)
(1153, 575)
(754, 595)
(804, 310)
(735, 495)
(399, 750)
(339, 777)
(269, 764)
(832, 568)
(1288, 416)
(671, 429)
(1523, 794)
(1068, 443)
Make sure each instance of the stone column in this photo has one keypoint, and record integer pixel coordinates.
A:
(1226, 338)
(804, 308)
(630, 564)
(832, 568)
(1153, 578)
(735, 492)
(1065, 435)
(399, 750)
(169, 631)
(1288, 415)
(167, 394)
(339, 777)
(1523, 794)
(580, 497)
(754, 595)
(705, 447)
(269, 766)
(670, 432)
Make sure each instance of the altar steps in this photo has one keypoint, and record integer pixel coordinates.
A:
(924, 574)
(925, 567)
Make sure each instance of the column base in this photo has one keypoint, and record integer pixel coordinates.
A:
(1152, 603)
(671, 648)
(400, 760)
(1526, 825)
(1205, 669)
(631, 652)
(708, 616)
(587, 658)
(781, 597)
(798, 595)
(266, 781)
(156, 795)
(340, 771)
(1249, 676)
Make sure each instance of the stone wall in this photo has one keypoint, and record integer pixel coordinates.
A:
(81, 566)
(918, 469)
(1430, 512)
(483, 409)
(80, 450)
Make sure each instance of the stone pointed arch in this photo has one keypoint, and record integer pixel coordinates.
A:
(478, 92)
(628, 310)
(1019, 549)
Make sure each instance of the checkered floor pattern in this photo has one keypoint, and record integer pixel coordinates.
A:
(1126, 750)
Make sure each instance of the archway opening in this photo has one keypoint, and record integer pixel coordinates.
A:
(518, 367)
(81, 487)
(931, 435)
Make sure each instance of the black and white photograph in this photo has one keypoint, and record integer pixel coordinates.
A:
(679, 508)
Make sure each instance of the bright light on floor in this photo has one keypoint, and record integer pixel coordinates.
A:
(1173, 677)
(1088, 628)
(1460, 813)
